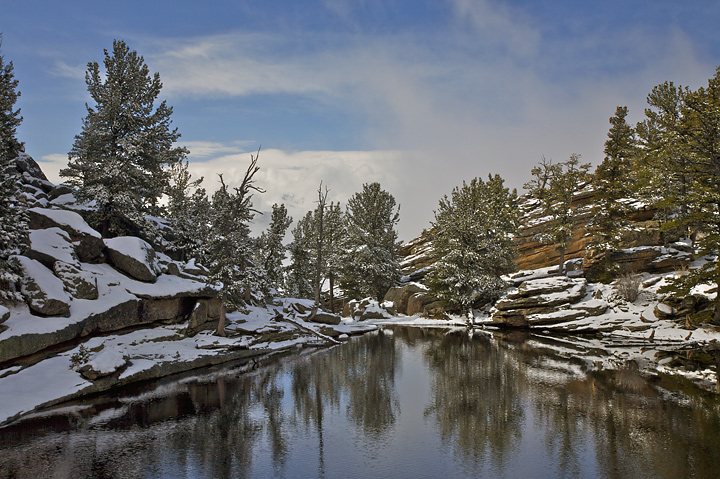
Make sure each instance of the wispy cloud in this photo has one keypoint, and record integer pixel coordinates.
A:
(64, 70)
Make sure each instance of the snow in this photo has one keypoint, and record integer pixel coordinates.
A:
(44, 278)
(67, 218)
(134, 247)
(55, 243)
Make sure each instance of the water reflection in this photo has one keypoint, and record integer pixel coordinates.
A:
(404, 403)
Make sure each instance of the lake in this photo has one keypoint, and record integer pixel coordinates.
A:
(401, 403)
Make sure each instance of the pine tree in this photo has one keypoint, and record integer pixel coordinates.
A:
(369, 261)
(228, 249)
(299, 274)
(120, 158)
(10, 118)
(554, 186)
(701, 120)
(473, 243)
(663, 161)
(612, 184)
(188, 211)
(271, 252)
(13, 223)
(335, 228)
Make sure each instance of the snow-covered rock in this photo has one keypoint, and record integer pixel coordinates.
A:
(194, 268)
(88, 242)
(370, 308)
(43, 291)
(69, 221)
(324, 317)
(80, 284)
(545, 292)
(50, 245)
(4, 314)
(133, 256)
(103, 363)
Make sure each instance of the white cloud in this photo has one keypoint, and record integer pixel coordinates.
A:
(499, 24)
(293, 178)
(205, 149)
(52, 164)
(64, 70)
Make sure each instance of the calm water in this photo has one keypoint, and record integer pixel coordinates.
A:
(404, 403)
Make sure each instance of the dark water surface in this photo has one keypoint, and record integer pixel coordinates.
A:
(406, 403)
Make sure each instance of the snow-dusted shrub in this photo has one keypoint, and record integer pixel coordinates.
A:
(628, 286)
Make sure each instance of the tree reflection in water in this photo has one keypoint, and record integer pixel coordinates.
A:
(475, 398)
(487, 407)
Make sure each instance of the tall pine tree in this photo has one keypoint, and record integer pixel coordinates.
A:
(663, 165)
(271, 253)
(701, 122)
(120, 159)
(13, 224)
(299, 273)
(228, 248)
(10, 118)
(473, 243)
(188, 212)
(369, 261)
(613, 179)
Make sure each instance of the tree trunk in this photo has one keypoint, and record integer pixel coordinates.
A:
(221, 322)
(471, 316)
(332, 293)
(561, 267)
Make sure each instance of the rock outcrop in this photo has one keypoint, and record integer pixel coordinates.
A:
(133, 256)
(43, 291)
(546, 301)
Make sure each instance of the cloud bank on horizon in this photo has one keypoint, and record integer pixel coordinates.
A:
(418, 95)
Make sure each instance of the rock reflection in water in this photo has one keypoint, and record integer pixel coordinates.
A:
(404, 403)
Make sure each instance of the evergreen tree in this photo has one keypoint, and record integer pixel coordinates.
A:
(554, 186)
(613, 179)
(10, 118)
(701, 121)
(188, 211)
(271, 253)
(120, 158)
(473, 243)
(299, 274)
(228, 249)
(369, 261)
(13, 223)
(334, 234)
(663, 161)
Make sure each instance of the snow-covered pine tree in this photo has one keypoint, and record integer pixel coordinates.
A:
(701, 123)
(188, 211)
(554, 186)
(10, 118)
(299, 273)
(334, 234)
(271, 253)
(613, 180)
(120, 159)
(13, 223)
(663, 165)
(473, 243)
(228, 249)
(369, 260)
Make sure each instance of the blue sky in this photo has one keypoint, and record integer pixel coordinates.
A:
(416, 94)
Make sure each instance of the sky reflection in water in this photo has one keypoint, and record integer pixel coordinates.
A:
(403, 403)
